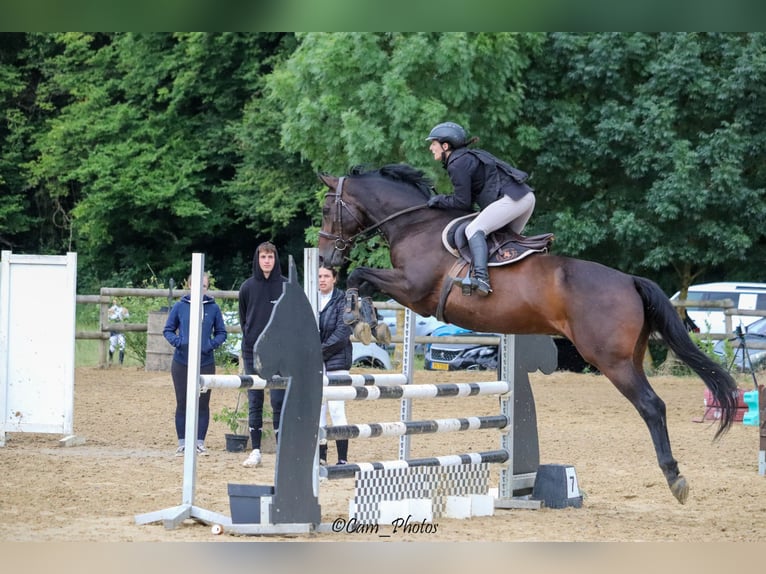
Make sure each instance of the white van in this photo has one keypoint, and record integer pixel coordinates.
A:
(747, 296)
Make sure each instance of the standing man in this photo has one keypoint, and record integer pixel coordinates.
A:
(257, 297)
(117, 313)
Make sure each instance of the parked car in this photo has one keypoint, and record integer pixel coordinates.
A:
(457, 356)
(753, 333)
(749, 296)
(362, 355)
(371, 355)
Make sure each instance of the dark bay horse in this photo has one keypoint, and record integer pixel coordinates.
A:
(608, 315)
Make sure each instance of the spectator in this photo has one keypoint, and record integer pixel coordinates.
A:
(176, 332)
(337, 353)
(257, 297)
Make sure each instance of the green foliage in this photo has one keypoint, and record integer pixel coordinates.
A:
(647, 149)
(136, 149)
(236, 418)
(231, 417)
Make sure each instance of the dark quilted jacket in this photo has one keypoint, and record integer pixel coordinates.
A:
(335, 334)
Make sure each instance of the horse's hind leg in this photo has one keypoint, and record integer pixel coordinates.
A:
(634, 385)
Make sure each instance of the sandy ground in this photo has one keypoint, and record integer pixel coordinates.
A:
(126, 467)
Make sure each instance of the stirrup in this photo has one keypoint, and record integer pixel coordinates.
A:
(483, 288)
(470, 284)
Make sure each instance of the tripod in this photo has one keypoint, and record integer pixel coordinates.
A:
(745, 354)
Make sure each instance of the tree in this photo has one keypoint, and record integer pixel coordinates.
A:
(360, 98)
(648, 149)
(27, 219)
(142, 148)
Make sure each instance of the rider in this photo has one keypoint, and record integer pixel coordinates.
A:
(479, 177)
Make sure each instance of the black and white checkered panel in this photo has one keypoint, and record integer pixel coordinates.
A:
(434, 483)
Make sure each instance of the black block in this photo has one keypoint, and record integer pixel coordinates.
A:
(556, 486)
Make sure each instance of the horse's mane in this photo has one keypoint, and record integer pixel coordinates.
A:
(400, 172)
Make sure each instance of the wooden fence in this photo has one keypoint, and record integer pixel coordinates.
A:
(106, 294)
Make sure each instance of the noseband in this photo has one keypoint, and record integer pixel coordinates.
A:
(341, 243)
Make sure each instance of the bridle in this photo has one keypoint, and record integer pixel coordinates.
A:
(341, 243)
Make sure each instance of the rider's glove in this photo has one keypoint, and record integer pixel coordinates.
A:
(435, 201)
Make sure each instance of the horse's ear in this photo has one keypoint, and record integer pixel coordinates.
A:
(329, 180)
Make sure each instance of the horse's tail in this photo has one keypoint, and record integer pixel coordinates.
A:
(662, 317)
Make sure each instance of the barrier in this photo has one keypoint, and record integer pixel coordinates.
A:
(291, 505)
(415, 427)
(374, 486)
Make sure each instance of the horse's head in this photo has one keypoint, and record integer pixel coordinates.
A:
(341, 221)
(364, 203)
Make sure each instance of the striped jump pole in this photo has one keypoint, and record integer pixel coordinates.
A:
(256, 382)
(443, 390)
(350, 470)
(373, 430)
(241, 382)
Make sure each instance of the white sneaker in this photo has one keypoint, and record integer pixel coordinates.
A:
(201, 450)
(254, 459)
(180, 451)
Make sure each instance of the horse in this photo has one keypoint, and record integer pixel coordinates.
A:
(607, 314)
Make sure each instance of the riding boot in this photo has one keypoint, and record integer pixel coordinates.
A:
(323, 454)
(342, 447)
(351, 311)
(122, 356)
(479, 253)
(111, 356)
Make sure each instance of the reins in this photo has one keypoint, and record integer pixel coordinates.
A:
(341, 243)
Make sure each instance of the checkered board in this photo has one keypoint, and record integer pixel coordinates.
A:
(433, 483)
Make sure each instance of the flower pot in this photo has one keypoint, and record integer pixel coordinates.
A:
(236, 442)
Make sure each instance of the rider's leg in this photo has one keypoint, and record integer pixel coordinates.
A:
(504, 211)
(479, 253)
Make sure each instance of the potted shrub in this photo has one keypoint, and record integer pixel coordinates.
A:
(236, 420)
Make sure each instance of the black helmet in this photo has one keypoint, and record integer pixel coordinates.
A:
(449, 132)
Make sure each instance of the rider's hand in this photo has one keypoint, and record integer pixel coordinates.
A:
(435, 201)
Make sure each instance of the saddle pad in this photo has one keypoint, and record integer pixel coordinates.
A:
(505, 246)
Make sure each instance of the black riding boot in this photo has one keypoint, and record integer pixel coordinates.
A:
(323, 454)
(479, 253)
(122, 357)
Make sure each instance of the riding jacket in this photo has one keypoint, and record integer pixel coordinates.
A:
(479, 177)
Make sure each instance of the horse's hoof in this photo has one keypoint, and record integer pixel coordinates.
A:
(382, 333)
(363, 332)
(680, 489)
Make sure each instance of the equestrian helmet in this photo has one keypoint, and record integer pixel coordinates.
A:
(449, 132)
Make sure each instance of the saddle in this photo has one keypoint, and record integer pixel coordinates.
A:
(504, 245)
